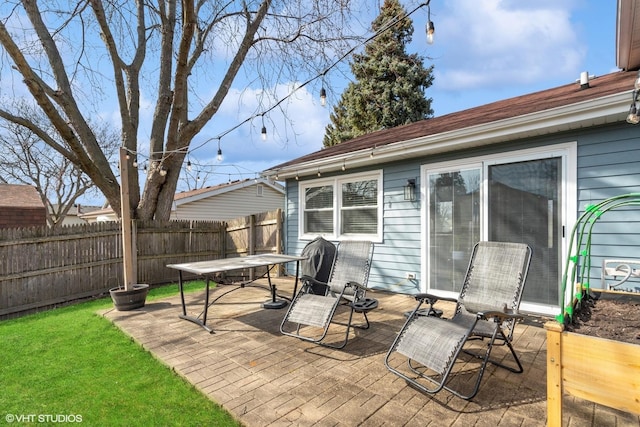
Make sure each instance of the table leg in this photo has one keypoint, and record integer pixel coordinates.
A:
(184, 306)
(197, 321)
(295, 284)
(273, 302)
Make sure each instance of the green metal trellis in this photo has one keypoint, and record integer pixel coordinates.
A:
(578, 263)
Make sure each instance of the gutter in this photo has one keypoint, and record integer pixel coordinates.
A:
(593, 112)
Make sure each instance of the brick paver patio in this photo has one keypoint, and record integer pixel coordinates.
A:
(266, 379)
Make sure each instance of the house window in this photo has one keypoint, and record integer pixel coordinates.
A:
(345, 206)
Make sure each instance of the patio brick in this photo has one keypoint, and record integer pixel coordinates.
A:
(266, 379)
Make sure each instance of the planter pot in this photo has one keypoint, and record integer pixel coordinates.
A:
(596, 369)
(129, 300)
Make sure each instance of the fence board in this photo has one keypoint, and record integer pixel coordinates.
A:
(41, 267)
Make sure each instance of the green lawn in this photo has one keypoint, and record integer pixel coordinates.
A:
(68, 363)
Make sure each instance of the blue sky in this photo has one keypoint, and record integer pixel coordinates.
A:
(484, 51)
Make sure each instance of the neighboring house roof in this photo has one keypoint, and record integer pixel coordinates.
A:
(190, 196)
(19, 196)
(79, 209)
(567, 107)
(103, 214)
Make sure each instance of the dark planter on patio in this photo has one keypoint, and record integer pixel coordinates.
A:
(126, 300)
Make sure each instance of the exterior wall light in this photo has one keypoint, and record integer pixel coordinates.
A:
(410, 190)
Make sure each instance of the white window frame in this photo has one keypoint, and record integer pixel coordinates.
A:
(337, 182)
(566, 151)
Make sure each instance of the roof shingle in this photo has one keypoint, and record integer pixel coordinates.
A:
(608, 84)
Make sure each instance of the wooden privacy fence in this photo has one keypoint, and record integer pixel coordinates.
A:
(40, 267)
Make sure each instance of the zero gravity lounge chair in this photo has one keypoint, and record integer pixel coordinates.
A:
(311, 312)
(486, 309)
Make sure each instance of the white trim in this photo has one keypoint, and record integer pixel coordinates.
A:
(336, 182)
(607, 109)
(568, 181)
(426, 170)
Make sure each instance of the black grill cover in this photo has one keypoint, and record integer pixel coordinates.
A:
(320, 254)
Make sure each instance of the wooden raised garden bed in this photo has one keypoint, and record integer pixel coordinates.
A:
(597, 369)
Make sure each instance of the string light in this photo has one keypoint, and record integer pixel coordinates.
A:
(430, 29)
(263, 132)
(219, 157)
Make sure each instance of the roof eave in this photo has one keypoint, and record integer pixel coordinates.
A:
(593, 112)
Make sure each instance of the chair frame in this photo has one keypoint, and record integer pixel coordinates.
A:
(500, 318)
(355, 300)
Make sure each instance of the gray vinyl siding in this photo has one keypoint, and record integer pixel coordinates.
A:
(233, 204)
(400, 250)
(608, 165)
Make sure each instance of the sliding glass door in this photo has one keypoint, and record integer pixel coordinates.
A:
(524, 200)
(454, 225)
(517, 198)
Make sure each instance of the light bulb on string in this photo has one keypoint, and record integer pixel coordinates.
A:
(189, 165)
(431, 29)
(219, 157)
(430, 32)
(263, 132)
(323, 97)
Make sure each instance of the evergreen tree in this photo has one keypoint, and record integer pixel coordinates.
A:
(389, 87)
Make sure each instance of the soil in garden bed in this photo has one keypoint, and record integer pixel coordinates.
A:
(611, 316)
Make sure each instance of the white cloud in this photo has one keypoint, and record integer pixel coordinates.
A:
(494, 43)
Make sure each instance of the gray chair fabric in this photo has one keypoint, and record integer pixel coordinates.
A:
(486, 308)
(311, 313)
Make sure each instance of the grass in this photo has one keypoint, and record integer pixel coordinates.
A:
(72, 362)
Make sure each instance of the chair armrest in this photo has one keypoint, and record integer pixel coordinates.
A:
(309, 279)
(502, 315)
(356, 285)
(431, 299)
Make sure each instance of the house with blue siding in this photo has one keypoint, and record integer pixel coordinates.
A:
(521, 169)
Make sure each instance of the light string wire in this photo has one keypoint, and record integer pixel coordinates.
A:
(165, 154)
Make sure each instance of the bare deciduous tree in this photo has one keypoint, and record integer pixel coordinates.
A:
(26, 159)
(70, 59)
